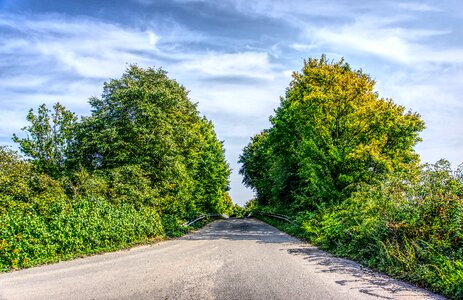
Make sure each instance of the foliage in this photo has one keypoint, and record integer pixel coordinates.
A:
(14, 179)
(145, 119)
(411, 229)
(210, 172)
(256, 170)
(340, 160)
(31, 236)
(251, 205)
(330, 133)
(237, 211)
(136, 169)
(19, 181)
(49, 138)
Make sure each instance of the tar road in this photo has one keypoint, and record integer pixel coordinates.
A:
(227, 259)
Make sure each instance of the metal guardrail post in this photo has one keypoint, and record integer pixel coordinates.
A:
(272, 215)
(205, 216)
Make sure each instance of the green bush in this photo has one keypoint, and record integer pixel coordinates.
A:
(30, 235)
(14, 175)
(410, 229)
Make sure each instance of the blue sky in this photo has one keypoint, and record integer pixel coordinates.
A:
(235, 57)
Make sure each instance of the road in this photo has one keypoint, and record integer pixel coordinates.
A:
(227, 259)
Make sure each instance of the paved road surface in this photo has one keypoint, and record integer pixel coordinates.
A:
(229, 259)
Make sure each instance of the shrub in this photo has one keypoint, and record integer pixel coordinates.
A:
(30, 235)
(410, 229)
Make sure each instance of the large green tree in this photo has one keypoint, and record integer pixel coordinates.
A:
(331, 132)
(146, 119)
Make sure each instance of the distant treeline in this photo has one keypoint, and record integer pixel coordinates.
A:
(141, 164)
(340, 160)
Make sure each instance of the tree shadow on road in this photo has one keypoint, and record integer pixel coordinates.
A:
(239, 230)
(361, 278)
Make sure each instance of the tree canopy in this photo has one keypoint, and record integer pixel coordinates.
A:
(49, 138)
(330, 133)
(144, 138)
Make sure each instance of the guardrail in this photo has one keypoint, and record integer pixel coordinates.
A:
(203, 217)
(272, 215)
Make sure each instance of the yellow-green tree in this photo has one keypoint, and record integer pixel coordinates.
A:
(331, 132)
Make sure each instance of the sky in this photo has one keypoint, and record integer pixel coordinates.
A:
(235, 57)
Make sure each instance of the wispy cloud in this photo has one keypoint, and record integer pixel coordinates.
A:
(385, 39)
(87, 47)
(241, 64)
(418, 6)
(379, 28)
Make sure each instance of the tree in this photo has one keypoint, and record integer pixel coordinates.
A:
(145, 119)
(330, 133)
(211, 172)
(49, 138)
(256, 164)
(14, 172)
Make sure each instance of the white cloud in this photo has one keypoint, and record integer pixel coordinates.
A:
(242, 64)
(238, 100)
(10, 120)
(23, 81)
(289, 11)
(418, 6)
(435, 94)
(385, 39)
(304, 47)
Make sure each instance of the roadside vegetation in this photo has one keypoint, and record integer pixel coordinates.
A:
(339, 160)
(135, 170)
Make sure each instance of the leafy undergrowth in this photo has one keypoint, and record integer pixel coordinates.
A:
(31, 235)
(417, 242)
(409, 230)
(291, 229)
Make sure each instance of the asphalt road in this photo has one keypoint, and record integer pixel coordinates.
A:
(228, 259)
